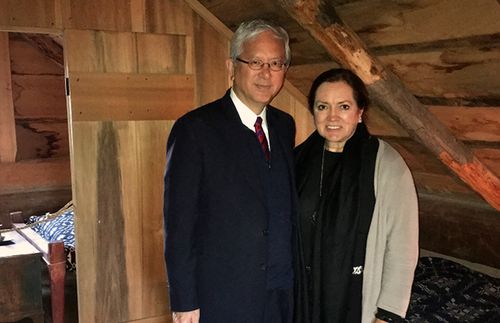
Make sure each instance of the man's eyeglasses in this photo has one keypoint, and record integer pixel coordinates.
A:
(256, 64)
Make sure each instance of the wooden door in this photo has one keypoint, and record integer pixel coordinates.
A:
(125, 90)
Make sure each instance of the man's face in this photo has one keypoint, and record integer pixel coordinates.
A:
(256, 88)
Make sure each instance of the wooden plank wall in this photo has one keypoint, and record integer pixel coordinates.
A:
(133, 68)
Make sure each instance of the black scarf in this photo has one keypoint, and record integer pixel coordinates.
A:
(330, 290)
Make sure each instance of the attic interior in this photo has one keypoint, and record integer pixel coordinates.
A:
(444, 56)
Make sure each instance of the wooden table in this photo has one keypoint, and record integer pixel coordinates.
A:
(20, 280)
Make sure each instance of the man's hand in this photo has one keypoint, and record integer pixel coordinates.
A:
(379, 321)
(186, 317)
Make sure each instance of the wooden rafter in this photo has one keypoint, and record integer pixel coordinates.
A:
(320, 19)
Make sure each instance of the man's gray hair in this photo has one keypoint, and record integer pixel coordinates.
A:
(250, 29)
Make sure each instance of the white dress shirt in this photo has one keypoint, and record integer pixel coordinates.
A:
(248, 117)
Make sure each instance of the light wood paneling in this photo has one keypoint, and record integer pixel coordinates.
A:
(165, 54)
(211, 74)
(122, 211)
(8, 142)
(110, 96)
(120, 112)
(30, 13)
(168, 17)
(97, 14)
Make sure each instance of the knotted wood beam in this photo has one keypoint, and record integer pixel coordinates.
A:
(320, 19)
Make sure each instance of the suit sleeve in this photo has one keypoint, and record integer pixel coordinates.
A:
(181, 209)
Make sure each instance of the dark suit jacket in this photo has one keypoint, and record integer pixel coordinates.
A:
(215, 213)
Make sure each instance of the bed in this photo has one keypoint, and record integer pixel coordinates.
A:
(53, 235)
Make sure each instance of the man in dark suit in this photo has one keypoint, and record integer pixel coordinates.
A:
(229, 193)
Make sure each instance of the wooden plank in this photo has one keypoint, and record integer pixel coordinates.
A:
(466, 123)
(42, 138)
(98, 15)
(154, 298)
(39, 96)
(417, 156)
(454, 228)
(209, 44)
(207, 16)
(301, 76)
(128, 221)
(101, 51)
(42, 14)
(164, 54)
(25, 59)
(392, 22)
(454, 72)
(51, 49)
(490, 157)
(110, 96)
(380, 123)
(40, 174)
(83, 48)
(8, 141)
(168, 17)
(35, 200)
(322, 21)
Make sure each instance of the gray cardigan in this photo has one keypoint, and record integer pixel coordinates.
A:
(392, 245)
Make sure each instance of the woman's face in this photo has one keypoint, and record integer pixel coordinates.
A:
(336, 114)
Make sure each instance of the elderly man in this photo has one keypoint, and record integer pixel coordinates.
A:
(229, 193)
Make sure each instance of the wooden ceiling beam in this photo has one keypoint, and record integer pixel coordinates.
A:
(320, 19)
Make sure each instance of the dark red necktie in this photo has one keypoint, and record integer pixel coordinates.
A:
(262, 137)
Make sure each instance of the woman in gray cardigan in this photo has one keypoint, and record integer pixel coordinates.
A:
(358, 220)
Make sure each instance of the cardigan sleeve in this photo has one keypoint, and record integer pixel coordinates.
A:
(399, 208)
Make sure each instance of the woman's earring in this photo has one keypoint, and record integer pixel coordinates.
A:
(360, 120)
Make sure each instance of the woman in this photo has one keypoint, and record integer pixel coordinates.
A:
(358, 213)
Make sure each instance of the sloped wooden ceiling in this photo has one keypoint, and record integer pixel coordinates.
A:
(445, 52)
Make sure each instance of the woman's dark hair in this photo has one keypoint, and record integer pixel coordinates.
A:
(359, 90)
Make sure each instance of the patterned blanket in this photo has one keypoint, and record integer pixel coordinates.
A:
(445, 291)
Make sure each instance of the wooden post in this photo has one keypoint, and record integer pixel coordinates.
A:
(8, 145)
(390, 94)
(57, 272)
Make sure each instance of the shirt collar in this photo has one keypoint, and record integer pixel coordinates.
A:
(247, 116)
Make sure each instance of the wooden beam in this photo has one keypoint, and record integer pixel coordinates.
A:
(323, 23)
(47, 45)
(8, 142)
